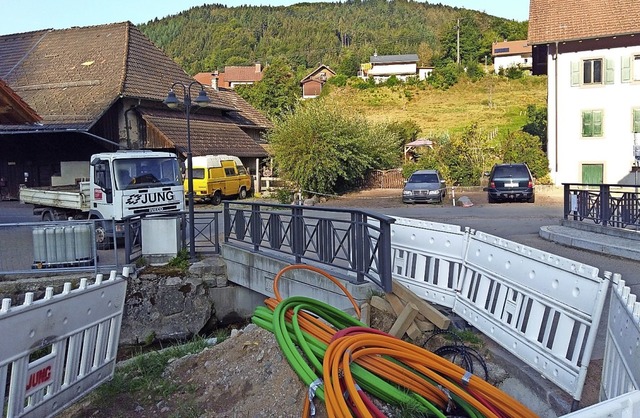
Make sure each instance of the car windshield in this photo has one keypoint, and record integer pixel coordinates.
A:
(423, 178)
(147, 172)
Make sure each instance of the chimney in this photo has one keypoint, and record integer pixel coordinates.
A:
(214, 80)
(258, 67)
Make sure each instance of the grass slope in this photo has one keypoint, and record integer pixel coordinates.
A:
(496, 104)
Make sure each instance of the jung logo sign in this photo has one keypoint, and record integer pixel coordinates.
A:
(150, 198)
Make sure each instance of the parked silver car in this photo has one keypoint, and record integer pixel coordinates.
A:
(424, 186)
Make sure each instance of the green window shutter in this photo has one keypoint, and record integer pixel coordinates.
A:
(636, 120)
(597, 123)
(609, 72)
(587, 123)
(626, 69)
(575, 73)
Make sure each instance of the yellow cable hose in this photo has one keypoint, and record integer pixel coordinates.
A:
(398, 362)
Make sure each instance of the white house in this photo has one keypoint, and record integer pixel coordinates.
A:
(381, 67)
(591, 54)
(511, 54)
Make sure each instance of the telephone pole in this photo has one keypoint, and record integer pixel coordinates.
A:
(458, 43)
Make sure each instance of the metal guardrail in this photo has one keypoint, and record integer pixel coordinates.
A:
(355, 242)
(70, 246)
(612, 205)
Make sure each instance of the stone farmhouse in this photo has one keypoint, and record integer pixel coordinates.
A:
(66, 94)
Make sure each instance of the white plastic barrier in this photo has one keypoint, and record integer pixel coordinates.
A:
(427, 258)
(57, 349)
(542, 308)
(621, 368)
(623, 406)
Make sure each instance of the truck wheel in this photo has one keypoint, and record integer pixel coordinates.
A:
(216, 199)
(243, 193)
(47, 216)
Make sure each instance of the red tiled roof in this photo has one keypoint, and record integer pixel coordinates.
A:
(557, 20)
(510, 48)
(243, 74)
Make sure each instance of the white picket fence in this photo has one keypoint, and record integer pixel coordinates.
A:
(57, 349)
(542, 308)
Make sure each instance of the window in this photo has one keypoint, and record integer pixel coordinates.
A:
(636, 120)
(591, 123)
(592, 71)
(630, 68)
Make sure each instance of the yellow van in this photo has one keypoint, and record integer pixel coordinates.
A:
(218, 176)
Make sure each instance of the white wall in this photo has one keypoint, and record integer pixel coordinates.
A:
(381, 69)
(510, 61)
(615, 148)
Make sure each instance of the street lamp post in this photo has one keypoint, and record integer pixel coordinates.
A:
(173, 102)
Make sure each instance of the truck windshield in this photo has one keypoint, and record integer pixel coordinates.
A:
(146, 172)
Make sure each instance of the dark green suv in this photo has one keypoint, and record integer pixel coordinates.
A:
(510, 183)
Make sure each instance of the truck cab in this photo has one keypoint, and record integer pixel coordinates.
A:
(128, 183)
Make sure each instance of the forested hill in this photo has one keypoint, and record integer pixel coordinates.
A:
(341, 35)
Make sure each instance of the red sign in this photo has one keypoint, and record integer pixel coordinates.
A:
(39, 378)
(97, 194)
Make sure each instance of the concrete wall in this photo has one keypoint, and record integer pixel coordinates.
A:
(257, 272)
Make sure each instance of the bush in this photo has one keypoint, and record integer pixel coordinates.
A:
(339, 80)
(514, 72)
(322, 149)
(444, 77)
(521, 147)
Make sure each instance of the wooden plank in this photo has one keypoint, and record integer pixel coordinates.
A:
(365, 314)
(431, 313)
(405, 319)
(424, 326)
(398, 306)
(381, 304)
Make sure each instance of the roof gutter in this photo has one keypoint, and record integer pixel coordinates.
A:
(55, 131)
(588, 38)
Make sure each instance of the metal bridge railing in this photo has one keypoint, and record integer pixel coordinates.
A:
(354, 242)
(612, 205)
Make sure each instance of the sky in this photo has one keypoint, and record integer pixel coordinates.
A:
(29, 15)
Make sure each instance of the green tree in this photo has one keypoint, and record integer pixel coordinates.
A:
(349, 65)
(521, 147)
(537, 124)
(323, 150)
(276, 93)
(444, 77)
(471, 45)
